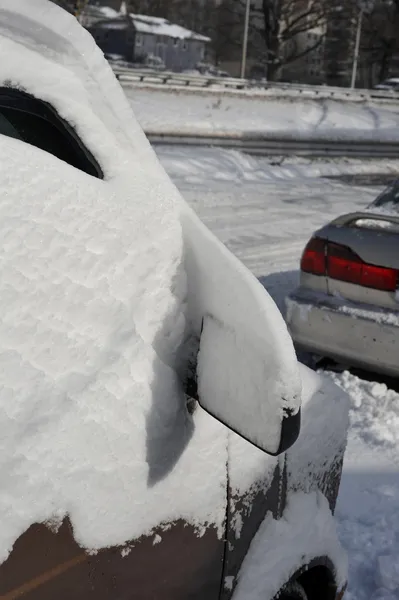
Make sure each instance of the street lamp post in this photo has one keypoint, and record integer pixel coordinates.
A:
(365, 6)
(245, 40)
(357, 47)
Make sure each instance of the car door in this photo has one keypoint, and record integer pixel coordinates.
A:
(256, 487)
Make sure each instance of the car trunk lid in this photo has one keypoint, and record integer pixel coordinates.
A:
(362, 262)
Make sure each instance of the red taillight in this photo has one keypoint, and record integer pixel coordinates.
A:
(314, 257)
(345, 265)
(339, 262)
(379, 278)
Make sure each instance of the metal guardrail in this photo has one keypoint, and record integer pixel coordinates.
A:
(275, 146)
(131, 76)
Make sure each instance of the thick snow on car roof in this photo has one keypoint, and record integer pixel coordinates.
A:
(101, 281)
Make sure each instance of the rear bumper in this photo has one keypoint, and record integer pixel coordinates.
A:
(359, 336)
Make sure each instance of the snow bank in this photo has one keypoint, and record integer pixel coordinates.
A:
(375, 410)
(204, 165)
(272, 559)
(96, 304)
(162, 111)
(367, 509)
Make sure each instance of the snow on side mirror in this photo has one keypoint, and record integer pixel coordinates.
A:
(234, 387)
(247, 371)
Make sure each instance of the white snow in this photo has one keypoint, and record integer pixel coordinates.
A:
(229, 582)
(100, 282)
(307, 523)
(160, 26)
(92, 313)
(376, 224)
(93, 310)
(266, 218)
(204, 165)
(203, 112)
(367, 510)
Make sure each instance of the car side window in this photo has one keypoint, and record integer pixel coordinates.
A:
(35, 122)
(389, 197)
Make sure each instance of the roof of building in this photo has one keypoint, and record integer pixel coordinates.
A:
(160, 26)
(148, 24)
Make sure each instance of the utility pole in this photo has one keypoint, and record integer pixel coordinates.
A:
(245, 40)
(357, 47)
(365, 7)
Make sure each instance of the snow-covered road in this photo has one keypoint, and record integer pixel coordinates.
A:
(266, 215)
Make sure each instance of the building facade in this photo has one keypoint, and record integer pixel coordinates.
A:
(138, 38)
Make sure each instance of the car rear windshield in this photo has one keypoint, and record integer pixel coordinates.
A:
(35, 122)
(389, 198)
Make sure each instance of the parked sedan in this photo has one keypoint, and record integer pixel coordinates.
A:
(391, 84)
(347, 303)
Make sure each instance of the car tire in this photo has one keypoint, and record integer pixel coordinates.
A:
(293, 591)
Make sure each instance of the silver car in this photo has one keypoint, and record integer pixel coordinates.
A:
(347, 304)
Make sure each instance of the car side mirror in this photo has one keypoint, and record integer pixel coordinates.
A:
(247, 371)
(237, 387)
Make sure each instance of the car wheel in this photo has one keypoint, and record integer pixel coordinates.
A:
(293, 591)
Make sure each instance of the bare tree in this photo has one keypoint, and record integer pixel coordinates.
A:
(380, 42)
(275, 29)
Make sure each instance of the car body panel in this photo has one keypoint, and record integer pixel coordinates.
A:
(264, 494)
(376, 247)
(168, 565)
(358, 335)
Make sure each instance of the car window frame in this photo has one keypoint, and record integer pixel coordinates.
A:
(388, 192)
(19, 100)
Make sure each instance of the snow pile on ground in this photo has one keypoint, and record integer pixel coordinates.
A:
(367, 509)
(161, 111)
(199, 165)
(375, 411)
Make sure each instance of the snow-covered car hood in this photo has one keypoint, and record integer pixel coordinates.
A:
(100, 283)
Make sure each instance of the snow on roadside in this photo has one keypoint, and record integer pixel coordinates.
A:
(197, 165)
(163, 111)
(367, 510)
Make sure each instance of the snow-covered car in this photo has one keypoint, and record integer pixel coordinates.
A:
(347, 305)
(150, 395)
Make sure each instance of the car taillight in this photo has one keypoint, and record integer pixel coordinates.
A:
(345, 265)
(314, 257)
(321, 257)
